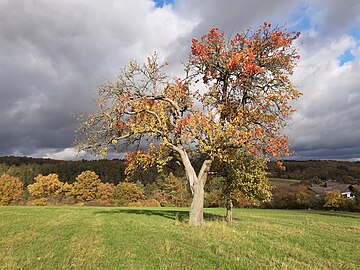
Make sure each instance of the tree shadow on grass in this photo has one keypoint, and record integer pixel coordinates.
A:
(179, 215)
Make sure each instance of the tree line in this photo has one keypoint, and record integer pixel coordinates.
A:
(113, 171)
(88, 189)
(37, 181)
(341, 171)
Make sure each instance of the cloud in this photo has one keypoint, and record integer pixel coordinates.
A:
(328, 114)
(326, 124)
(233, 15)
(55, 53)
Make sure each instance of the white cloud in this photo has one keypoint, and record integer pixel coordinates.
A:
(328, 113)
(65, 154)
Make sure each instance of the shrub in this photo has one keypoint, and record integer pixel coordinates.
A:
(334, 200)
(86, 186)
(67, 189)
(170, 191)
(127, 193)
(106, 192)
(11, 190)
(294, 197)
(38, 202)
(45, 186)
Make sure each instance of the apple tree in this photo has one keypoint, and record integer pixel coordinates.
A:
(235, 95)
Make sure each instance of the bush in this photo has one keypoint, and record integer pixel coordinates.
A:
(38, 202)
(86, 186)
(106, 192)
(127, 193)
(46, 186)
(170, 191)
(11, 190)
(334, 200)
(294, 197)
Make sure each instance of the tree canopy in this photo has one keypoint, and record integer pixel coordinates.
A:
(235, 95)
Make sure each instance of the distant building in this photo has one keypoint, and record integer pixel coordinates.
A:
(344, 189)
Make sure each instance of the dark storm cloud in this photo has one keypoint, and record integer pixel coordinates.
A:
(54, 53)
(233, 15)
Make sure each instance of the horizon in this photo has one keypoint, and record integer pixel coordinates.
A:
(123, 159)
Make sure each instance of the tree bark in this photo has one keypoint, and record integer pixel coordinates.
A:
(229, 212)
(197, 206)
(196, 183)
(196, 215)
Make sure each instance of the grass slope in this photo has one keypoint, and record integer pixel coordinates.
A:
(151, 238)
(280, 181)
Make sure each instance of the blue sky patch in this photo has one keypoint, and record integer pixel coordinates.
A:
(347, 56)
(355, 33)
(161, 3)
(301, 17)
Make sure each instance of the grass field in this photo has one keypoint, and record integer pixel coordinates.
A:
(151, 238)
(280, 181)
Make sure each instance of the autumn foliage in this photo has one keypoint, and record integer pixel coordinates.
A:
(45, 186)
(334, 200)
(48, 189)
(11, 190)
(129, 193)
(170, 191)
(244, 106)
(86, 185)
(106, 192)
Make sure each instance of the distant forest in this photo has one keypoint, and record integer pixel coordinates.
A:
(112, 171)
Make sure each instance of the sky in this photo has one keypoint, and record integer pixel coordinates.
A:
(53, 54)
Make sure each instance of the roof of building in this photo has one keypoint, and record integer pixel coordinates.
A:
(340, 187)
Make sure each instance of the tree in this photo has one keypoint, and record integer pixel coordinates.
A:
(169, 191)
(244, 106)
(127, 193)
(245, 182)
(45, 186)
(86, 186)
(355, 191)
(11, 190)
(334, 200)
(106, 192)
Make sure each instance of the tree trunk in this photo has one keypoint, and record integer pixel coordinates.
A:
(229, 213)
(196, 183)
(197, 206)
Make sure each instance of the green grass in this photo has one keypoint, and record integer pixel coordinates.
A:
(151, 238)
(280, 181)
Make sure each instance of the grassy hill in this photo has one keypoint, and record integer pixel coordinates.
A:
(280, 181)
(152, 238)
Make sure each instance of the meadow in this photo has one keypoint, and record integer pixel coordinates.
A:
(280, 181)
(160, 238)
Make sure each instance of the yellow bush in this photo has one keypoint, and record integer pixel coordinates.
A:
(38, 202)
(127, 193)
(106, 192)
(46, 186)
(333, 199)
(11, 190)
(86, 186)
